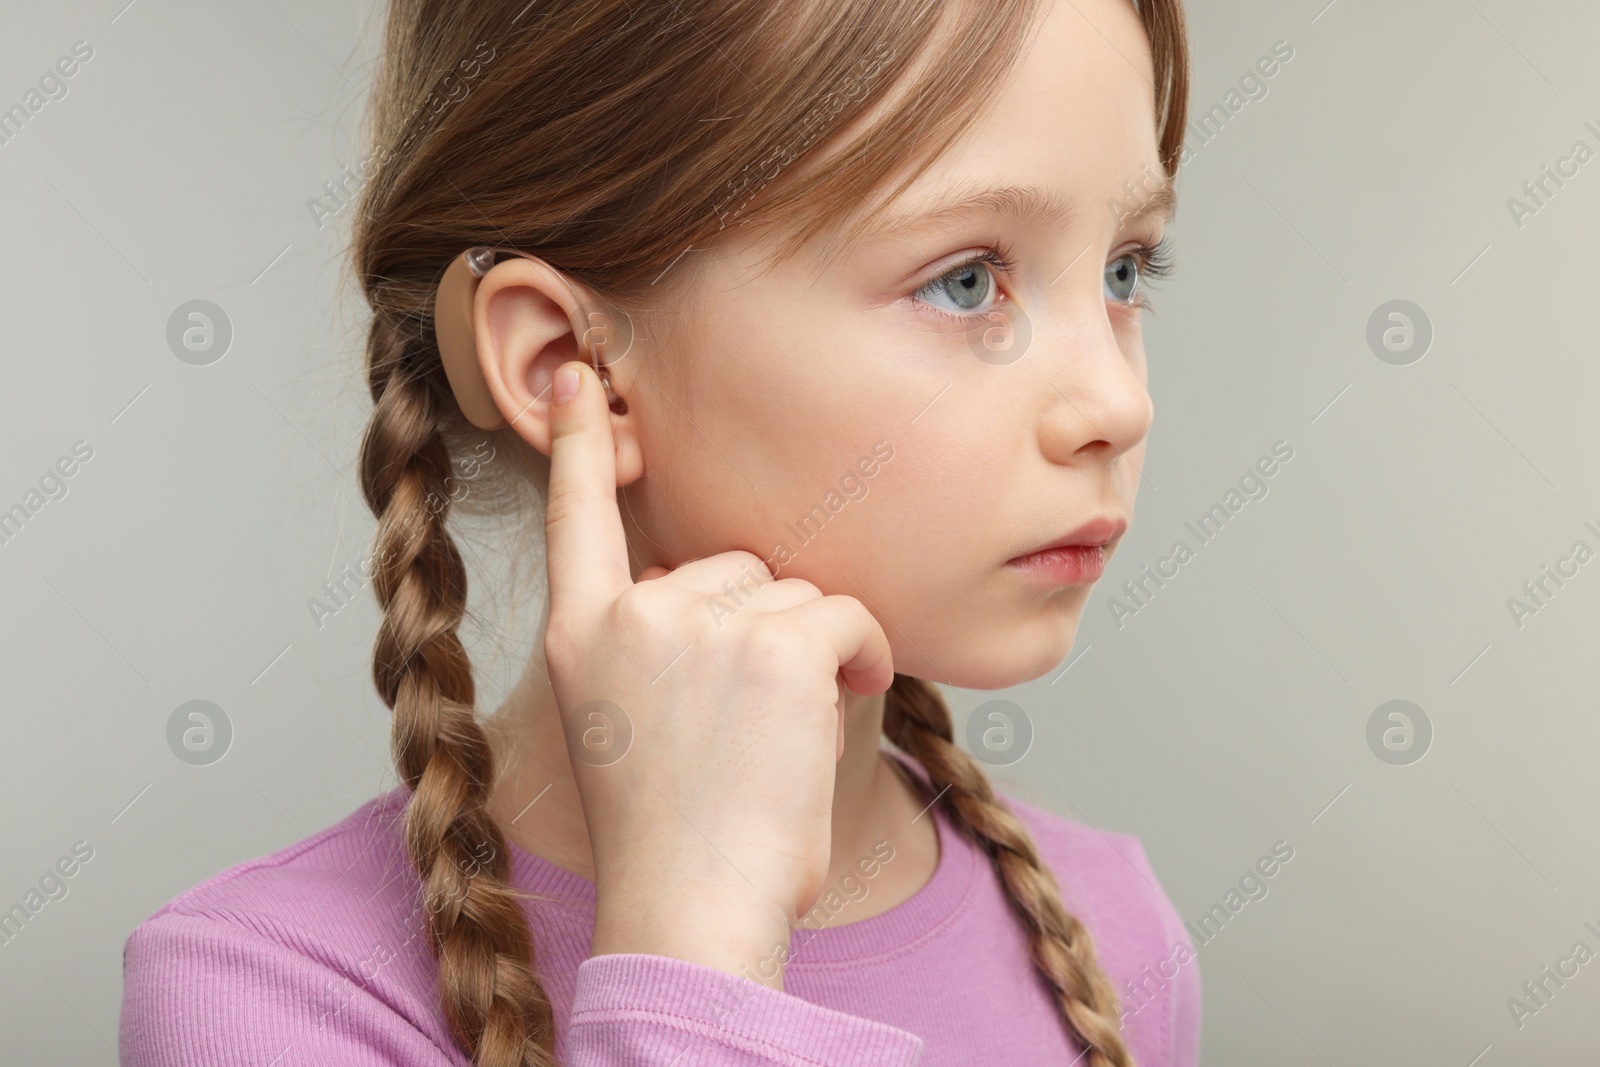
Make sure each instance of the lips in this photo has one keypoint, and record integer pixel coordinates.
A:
(1097, 531)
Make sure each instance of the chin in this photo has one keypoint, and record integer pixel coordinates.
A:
(1001, 659)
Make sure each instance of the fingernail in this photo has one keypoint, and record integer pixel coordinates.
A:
(566, 386)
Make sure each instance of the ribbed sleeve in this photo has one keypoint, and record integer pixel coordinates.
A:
(646, 1010)
(200, 991)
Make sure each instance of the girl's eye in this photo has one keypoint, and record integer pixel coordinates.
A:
(1122, 278)
(1140, 264)
(968, 287)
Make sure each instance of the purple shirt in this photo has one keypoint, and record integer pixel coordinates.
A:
(317, 955)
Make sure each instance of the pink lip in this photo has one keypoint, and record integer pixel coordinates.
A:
(1094, 532)
(1077, 558)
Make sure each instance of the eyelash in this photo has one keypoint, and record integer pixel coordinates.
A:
(1155, 261)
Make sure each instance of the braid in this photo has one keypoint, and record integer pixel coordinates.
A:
(494, 1003)
(917, 720)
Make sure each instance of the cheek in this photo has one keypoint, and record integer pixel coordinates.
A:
(909, 539)
(766, 456)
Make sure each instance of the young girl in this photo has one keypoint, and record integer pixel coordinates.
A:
(860, 282)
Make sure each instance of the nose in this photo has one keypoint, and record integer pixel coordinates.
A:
(1101, 406)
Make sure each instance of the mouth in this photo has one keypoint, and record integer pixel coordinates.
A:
(1075, 559)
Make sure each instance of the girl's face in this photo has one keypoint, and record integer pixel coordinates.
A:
(899, 422)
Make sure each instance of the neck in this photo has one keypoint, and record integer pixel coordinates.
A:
(535, 797)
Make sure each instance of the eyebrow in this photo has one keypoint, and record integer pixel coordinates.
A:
(1024, 201)
(1161, 201)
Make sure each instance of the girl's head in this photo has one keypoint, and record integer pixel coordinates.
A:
(869, 276)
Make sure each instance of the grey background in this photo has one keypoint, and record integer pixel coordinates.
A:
(1228, 714)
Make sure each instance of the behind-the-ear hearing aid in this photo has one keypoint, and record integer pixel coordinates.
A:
(458, 349)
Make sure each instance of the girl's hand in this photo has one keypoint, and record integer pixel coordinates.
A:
(707, 775)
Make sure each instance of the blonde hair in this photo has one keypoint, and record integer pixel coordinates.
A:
(578, 132)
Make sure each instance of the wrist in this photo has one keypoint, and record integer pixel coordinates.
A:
(736, 933)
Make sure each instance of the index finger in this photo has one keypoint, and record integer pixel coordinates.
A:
(586, 552)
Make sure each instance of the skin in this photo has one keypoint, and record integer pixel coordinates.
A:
(770, 386)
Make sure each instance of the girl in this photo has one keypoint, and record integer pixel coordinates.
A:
(867, 410)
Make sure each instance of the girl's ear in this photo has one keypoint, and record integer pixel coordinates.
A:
(528, 319)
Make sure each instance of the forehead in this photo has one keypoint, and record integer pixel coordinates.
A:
(1072, 120)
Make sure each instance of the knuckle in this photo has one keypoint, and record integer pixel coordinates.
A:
(560, 508)
(639, 609)
(743, 561)
(774, 645)
(849, 604)
(801, 585)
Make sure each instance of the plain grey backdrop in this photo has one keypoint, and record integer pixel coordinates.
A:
(1429, 480)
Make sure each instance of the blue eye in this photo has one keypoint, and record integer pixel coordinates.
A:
(967, 285)
(1122, 278)
(1125, 273)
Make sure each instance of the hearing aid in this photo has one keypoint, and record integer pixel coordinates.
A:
(458, 349)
